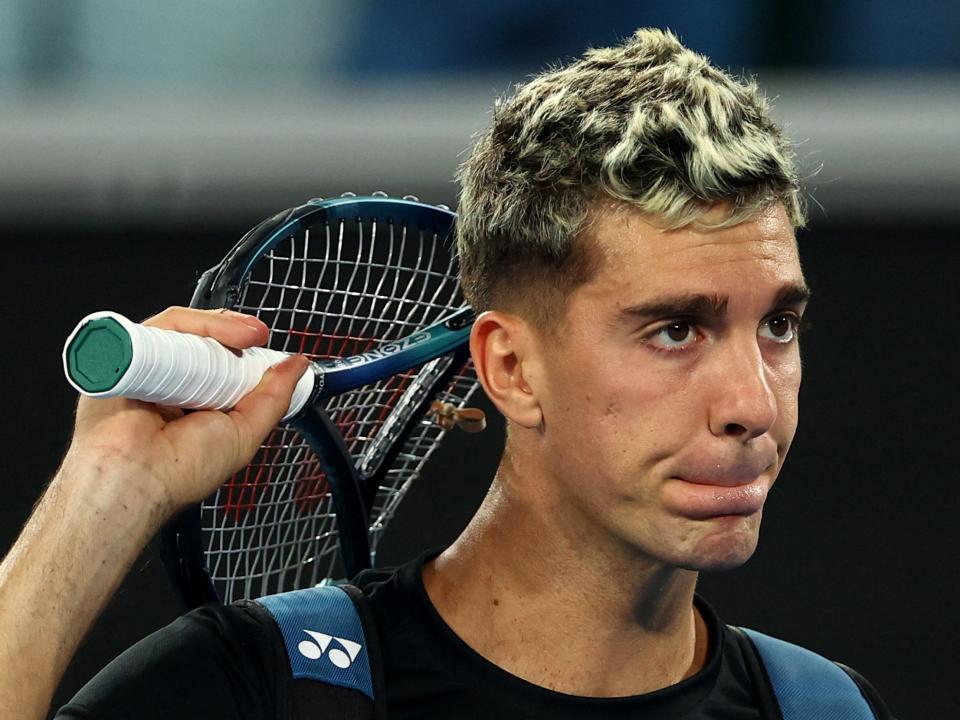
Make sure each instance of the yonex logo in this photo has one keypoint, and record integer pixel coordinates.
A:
(342, 658)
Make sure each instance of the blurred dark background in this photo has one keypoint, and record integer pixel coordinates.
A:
(139, 141)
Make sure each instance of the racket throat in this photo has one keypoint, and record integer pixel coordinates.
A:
(411, 403)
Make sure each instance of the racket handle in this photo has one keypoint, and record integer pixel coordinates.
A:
(107, 355)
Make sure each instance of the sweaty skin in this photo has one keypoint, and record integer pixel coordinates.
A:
(129, 468)
(642, 442)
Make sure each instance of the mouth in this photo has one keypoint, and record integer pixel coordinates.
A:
(699, 500)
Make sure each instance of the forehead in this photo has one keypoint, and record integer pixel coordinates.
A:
(635, 256)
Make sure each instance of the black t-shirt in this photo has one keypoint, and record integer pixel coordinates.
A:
(229, 663)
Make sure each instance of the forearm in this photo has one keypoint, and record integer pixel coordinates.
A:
(83, 536)
(131, 466)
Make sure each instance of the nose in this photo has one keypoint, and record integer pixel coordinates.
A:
(744, 404)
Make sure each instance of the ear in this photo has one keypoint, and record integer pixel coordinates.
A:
(505, 355)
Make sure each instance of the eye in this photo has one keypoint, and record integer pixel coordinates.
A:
(780, 328)
(675, 336)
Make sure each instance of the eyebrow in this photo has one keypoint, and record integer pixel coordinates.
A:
(715, 306)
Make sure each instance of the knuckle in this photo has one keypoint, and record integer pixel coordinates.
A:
(167, 316)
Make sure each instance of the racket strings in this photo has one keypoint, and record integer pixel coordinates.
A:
(415, 453)
(331, 291)
(265, 549)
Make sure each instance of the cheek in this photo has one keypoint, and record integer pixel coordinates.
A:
(786, 379)
(623, 413)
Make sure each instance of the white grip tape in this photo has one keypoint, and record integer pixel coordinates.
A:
(189, 371)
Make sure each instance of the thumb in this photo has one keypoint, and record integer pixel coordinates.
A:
(262, 408)
(220, 444)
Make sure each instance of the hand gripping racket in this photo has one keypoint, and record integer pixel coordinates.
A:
(368, 288)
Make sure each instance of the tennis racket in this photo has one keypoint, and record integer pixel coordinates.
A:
(368, 288)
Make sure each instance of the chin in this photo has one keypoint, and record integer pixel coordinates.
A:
(730, 561)
(723, 544)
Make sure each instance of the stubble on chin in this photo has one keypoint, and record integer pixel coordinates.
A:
(714, 544)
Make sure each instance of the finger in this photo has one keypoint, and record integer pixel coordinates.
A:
(261, 409)
(230, 328)
(169, 414)
(213, 445)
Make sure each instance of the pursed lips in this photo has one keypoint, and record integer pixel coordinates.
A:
(724, 472)
(705, 490)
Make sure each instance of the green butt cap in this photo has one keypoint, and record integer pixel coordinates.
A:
(99, 355)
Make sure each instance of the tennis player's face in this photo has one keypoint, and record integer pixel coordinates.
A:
(672, 402)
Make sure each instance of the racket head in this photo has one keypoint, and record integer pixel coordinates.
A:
(330, 278)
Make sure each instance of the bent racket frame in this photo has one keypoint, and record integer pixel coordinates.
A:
(363, 482)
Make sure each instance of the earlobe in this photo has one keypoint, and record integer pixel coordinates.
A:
(505, 356)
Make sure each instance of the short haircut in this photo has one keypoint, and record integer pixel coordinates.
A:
(648, 123)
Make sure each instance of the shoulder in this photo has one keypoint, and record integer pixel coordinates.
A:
(242, 632)
(212, 662)
(805, 683)
(332, 648)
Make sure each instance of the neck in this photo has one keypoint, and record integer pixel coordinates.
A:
(532, 594)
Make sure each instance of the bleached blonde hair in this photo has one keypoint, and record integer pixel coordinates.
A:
(649, 123)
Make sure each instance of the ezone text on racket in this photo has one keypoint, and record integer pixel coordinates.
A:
(383, 351)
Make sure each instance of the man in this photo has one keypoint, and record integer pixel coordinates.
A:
(627, 235)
